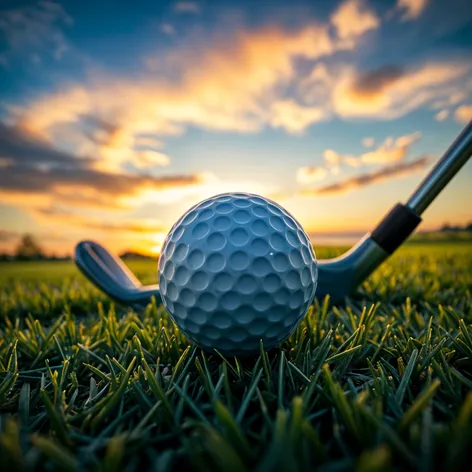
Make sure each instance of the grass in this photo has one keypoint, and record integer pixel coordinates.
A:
(381, 383)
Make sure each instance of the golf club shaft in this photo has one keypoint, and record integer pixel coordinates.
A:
(454, 158)
(356, 265)
(403, 219)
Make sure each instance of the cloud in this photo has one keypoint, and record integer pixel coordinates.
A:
(33, 172)
(167, 28)
(113, 146)
(239, 84)
(372, 83)
(230, 92)
(404, 142)
(66, 193)
(147, 159)
(101, 131)
(401, 169)
(353, 19)
(387, 152)
(8, 236)
(452, 99)
(187, 7)
(463, 114)
(20, 145)
(384, 154)
(293, 117)
(368, 142)
(29, 31)
(55, 214)
(37, 181)
(307, 175)
(441, 115)
(392, 91)
(233, 85)
(316, 87)
(333, 160)
(106, 189)
(134, 226)
(412, 9)
(143, 141)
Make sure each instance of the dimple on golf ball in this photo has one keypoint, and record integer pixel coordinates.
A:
(236, 269)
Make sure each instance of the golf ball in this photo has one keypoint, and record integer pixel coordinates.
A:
(236, 269)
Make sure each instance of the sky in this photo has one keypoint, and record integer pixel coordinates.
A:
(116, 117)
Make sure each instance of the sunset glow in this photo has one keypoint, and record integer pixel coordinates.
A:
(333, 109)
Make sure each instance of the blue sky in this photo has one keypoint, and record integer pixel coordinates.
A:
(118, 116)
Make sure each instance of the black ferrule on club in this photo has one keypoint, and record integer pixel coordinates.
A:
(397, 225)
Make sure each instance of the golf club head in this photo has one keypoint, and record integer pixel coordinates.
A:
(339, 277)
(336, 277)
(109, 273)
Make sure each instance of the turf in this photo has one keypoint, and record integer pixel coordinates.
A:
(381, 383)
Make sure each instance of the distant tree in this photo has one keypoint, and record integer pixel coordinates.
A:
(28, 248)
(134, 255)
(447, 228)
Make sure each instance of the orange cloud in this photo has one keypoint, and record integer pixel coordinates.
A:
(35, 177)
(384, 154)
(404, 142)
(237, 85)
(225, 94)
(453, 99)
(387, 152)
(307, 175)
(59, 215)
(293, 117)
(234, 86)
(35, 173)
(441, 115)
(146, 159)
(333, 160)
(368, 142)
(412, 9)
(315, 88)
(390, 92)
(463, 114)
(401, 169)
(353, 19)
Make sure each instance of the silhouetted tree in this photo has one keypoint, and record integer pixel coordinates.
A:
(28, 248)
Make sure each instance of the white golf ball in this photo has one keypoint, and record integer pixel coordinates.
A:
(236, 269)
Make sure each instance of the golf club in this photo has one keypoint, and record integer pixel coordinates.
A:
(337, 277)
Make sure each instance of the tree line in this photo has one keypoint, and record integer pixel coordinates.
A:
(29, 249)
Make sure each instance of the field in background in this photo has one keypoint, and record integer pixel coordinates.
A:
(382, 383)
(50, 271)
